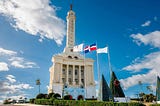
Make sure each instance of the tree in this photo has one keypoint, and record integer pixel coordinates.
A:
(38, 83)
(149, 88)
(140, 84)
(115, 86)
(40, 96)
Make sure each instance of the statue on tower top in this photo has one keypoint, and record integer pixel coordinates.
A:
(71, 6)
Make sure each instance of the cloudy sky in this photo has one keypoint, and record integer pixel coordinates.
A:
(31, 32)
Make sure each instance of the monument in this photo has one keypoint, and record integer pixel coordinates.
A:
(72, 73)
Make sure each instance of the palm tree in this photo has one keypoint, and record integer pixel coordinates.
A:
(140, 84)
(149, 88)
(38, 83)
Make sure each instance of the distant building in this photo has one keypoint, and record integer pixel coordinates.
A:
(71, 73)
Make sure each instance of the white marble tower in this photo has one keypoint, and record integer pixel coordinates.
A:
(71, 73)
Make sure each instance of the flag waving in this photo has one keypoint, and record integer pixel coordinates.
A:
(102, 50)
(90, 48)
(78, 48)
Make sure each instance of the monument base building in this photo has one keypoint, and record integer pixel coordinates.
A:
(71, 73)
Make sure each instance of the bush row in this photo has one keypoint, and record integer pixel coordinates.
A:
(81, 103)
(155, 105)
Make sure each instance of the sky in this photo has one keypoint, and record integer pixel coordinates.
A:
(33, 31)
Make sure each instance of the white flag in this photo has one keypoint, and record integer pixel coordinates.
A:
(78, 48)
(102, 50)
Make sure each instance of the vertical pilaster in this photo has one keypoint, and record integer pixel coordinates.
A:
(79, 75)
(67, 74)
(61, 67)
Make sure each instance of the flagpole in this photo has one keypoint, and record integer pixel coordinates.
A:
(109, 64)
(98, 70)
(85, 85)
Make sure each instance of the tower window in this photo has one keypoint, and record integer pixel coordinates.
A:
(76, 57)
(71, 50)
(70, 57)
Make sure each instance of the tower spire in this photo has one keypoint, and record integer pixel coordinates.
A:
(71, 6)
(70, 30)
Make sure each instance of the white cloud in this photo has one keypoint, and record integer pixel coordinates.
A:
(10, 88)
(147, 23)
(11, 58)
(20, 62)
(151, 63)
(3, 66)
(152, 38)
(7, 52)
(149, 78)
(11, 78)
(35, 17)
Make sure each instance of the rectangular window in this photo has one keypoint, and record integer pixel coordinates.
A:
(76, 72)
(63, 71)
(82, 72)
(69, 72)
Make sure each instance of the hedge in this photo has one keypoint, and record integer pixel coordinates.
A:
(82, 103)
(154, 105)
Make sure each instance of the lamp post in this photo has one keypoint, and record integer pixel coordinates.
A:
(38, 83)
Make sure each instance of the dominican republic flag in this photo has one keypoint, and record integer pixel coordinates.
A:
(90, 48)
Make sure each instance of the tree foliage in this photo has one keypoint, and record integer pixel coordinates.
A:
(40, 96)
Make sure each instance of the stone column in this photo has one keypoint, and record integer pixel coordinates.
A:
(61, 67)
(80, 75)
(67, 74)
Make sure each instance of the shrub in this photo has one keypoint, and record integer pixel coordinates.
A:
(83, 103)
(154, 105)
(57, 96)
(67, 97)
(40, 96)
(31, 100)
(6, 102)
(50, 95)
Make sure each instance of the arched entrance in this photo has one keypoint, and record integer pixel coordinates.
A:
(80, 97)
(68, 97)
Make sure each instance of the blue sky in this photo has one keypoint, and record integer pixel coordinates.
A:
(32, 32)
